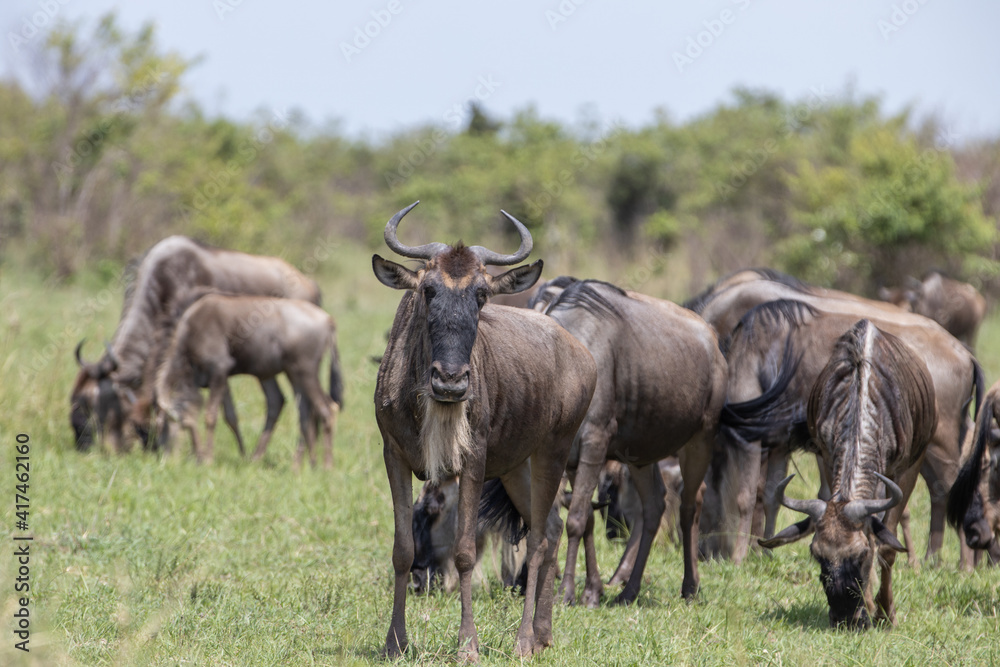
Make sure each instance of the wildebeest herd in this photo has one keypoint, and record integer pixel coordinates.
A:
(495, 407)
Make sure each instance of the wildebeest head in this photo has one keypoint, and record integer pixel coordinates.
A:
(434, 523)
(846, 542)
(449, 292)
(94, 402)
(974, 499)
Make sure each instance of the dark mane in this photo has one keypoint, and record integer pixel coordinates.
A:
(698, 302)
(763, 319)
(560, 282)
(583, 294)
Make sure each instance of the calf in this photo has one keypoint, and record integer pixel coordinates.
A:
(221, 335)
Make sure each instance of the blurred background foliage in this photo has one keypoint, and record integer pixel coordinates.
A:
(100, 158)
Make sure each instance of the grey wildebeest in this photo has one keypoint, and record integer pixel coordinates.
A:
(957, 306)
(435, 522)
(117, 390)
(483, 391)
(222, 335)
(955, 372)
(661, 385)
(974, 499)
(871, 413)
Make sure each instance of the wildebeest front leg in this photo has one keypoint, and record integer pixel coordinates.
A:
(401, 487)
(567, 588)
(232, 421)
(216, 392)
(777, 470)
(694, 460)
(470, 489)
(275, 402)
(885, 608)
(649, 485)
(745, 464)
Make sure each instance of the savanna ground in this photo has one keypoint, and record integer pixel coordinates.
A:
(147, 559)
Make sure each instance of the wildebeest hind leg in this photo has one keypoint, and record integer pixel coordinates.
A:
(649, 485)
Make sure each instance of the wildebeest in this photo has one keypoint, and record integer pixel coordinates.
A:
(222, 335)
(661, 385)
(974, 499)
(871, 413)
(117, 390)
(955, 372)
(957, 306)
(435, 520)
(483, 391)
(622, 508)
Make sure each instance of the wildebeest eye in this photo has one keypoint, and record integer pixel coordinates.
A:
(429, 292)
(481, 296)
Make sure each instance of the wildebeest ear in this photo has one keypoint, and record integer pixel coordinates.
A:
(516, 280)
(393, 275)
(885, 536)
(793, 533)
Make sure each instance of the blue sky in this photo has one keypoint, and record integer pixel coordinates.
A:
(571, 59)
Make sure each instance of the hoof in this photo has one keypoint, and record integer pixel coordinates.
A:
(623, 600)
(591, 598)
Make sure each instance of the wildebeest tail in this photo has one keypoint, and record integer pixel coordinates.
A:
(967, 482)
(496, 510)
(336, 377)
(769, 413)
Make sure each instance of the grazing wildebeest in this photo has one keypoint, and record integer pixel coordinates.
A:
(661, 385)
(484, 392)
(222, 335)
(953, 368)
(435, 520)
(117, 390)
(974, 499)
(622, 508)
(957, 306)
(871, 413)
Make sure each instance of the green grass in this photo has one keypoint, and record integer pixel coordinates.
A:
(142, 559)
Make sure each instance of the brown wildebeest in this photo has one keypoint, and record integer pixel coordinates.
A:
(222, 335)
(661, 385)
(118, 388)
(974, 499)
(871, 412)
(957, 306)
(477, 390)
(953, 368)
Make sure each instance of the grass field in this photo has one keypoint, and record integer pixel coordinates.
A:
(143, 559)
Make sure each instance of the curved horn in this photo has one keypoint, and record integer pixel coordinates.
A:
(420, 252)
(111, 358)
(857, 510)
(487, 256)
(79, 346)
(814, 508)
